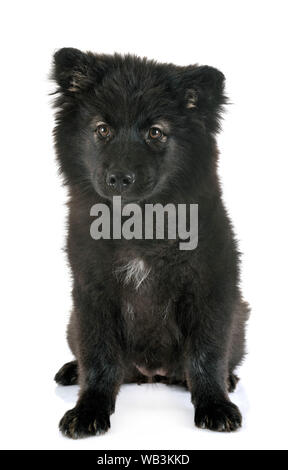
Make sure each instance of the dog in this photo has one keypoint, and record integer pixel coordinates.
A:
(144, 310)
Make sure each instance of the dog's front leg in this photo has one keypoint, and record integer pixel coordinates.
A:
(100, 370)
(206, 375)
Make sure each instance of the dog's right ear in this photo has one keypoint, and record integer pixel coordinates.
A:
(75, 71)
(71, 69)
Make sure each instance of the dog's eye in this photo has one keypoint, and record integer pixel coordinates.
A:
(103, 131)
(155, 133)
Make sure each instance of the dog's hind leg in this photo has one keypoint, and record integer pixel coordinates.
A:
(232, 382)
(68, 374)
(237, 349)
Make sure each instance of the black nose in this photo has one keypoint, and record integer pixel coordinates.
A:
(120, 181)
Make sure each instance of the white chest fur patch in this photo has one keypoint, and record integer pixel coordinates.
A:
(135, 271)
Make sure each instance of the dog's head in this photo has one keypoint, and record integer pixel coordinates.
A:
(132, 127)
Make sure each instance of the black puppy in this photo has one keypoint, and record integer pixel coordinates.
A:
(143, 309)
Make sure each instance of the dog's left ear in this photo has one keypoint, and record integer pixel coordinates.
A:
(203, 89)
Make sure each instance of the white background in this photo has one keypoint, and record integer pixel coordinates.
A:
(247, 40)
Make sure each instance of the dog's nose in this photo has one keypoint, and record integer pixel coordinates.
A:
(120, 181)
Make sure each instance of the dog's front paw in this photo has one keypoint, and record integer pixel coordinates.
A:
(83, 422)
(218, 416)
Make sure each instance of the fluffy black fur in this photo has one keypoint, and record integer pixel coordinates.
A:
(185, 324)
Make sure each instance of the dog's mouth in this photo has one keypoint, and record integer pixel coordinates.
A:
(128, 196)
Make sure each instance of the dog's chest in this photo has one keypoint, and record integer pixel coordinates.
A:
(148, 311)
(139, 287)
(133, 273)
